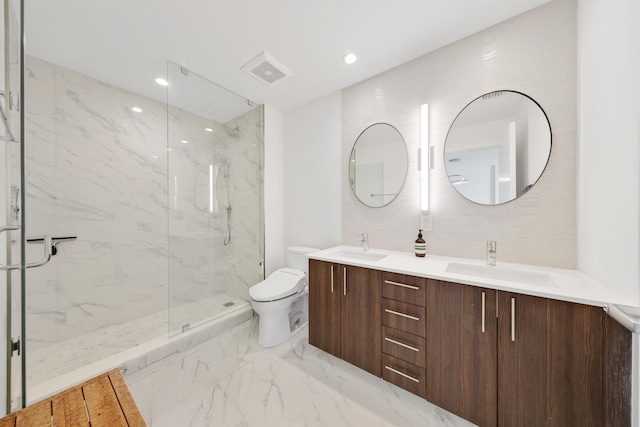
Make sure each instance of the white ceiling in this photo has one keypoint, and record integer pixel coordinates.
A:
(123, 41)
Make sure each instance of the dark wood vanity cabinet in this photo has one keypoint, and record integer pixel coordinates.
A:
(344, 313)
(404, 320)
(324, 306)
(572, 358)
(462, 351)
(360, 318)
(492, 357)
(526, 361)
(523, 358)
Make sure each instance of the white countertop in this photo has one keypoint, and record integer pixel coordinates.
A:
(555, 283)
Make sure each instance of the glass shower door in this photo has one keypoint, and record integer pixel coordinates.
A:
(11, 391)
(129, 185)
(216, 237)
(14, 258)
(131, 179)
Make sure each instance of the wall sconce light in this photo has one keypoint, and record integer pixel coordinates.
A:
(424, 157)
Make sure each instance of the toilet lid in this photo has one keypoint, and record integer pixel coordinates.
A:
(280, 284)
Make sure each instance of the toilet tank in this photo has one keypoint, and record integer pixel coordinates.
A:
(297, 257)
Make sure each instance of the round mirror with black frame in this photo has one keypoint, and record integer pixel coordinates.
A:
(497, 147)
(378, 165)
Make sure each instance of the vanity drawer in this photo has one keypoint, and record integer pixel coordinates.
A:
(405, 375)
(404, 288)
(408, 347)
(406, 317)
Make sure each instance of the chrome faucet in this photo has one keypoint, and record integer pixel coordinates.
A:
(364, 242)
(491, 252)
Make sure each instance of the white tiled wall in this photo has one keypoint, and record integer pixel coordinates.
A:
(312, 174)
(534, 53)
(609, 160)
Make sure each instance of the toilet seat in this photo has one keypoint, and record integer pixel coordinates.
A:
(280, 284)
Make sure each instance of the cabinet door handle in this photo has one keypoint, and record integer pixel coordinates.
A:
(401, 314)
(401, 344)
(401, 284)
(402, 374)
(344, 280)
(332, 279)
(484, 307)
(513, 319)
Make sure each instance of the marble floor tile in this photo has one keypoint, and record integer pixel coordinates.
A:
(232, 381)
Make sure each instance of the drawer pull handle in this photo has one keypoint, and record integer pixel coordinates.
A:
(401, 314)
(483, 310)
(344, 280)
(401, 344)
(401, 284)
(332, 279)
(401, 374)
(513, 319)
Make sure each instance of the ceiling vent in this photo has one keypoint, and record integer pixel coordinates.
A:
(266, 69)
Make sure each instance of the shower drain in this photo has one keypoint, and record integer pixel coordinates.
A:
(228, 304)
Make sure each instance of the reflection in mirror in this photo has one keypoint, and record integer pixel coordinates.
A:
(378, 165)
(497, 147)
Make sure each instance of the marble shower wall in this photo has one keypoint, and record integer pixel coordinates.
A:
(99, 171)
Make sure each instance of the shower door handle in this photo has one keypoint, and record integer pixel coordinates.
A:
(43, 261)
(9, 228)
(4, 228)
(48, 249)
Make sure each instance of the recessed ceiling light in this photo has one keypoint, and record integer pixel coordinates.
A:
(184, 141)
(136, 109)
(349, 58)
(162, 82)
(208, 129)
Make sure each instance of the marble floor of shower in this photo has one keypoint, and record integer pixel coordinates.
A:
(230, 380)
(48, 362)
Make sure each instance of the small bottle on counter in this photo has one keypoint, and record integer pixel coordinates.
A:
(421, 245)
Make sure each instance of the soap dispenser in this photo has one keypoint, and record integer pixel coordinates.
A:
(421, 245)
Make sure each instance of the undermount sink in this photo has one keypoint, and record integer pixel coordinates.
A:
(361, 255)
(499, 273)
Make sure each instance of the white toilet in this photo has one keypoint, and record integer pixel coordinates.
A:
(281, 300)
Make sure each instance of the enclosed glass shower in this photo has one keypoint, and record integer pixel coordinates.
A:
(151, 194)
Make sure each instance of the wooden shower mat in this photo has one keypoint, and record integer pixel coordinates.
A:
(103, 401)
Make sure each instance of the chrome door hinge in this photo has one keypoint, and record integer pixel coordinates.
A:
(15, 346)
